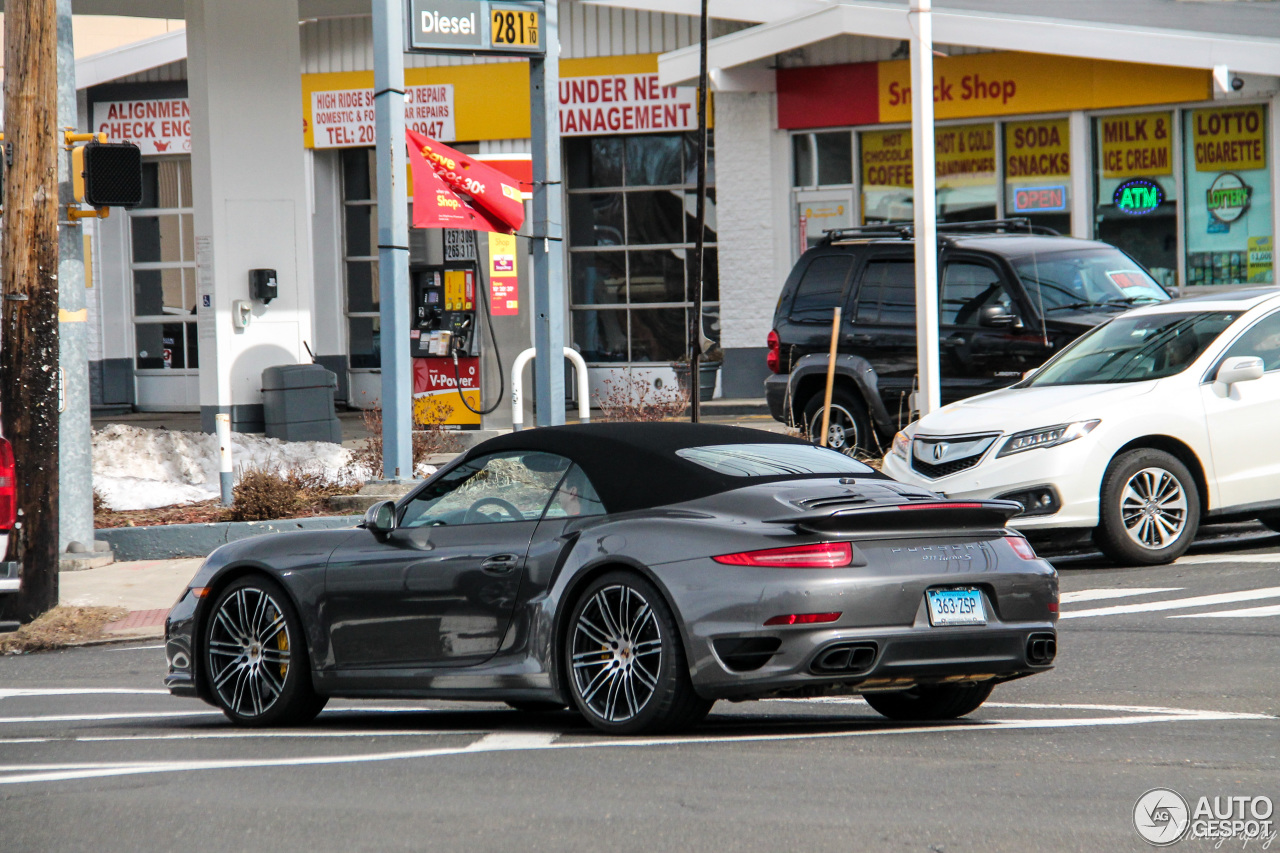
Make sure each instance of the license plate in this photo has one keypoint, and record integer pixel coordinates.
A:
(955, 607)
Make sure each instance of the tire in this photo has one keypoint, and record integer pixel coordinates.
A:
(1149, 511)
(255, 656)
(850, 428)
(533, 706)
(624, 660)
(938, 702)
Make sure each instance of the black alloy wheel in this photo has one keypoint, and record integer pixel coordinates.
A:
(626, 666)
(256, 658)
(1149, 510)
(849, 427)
(932, 702)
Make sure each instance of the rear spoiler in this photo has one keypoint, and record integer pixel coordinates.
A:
(912, 515)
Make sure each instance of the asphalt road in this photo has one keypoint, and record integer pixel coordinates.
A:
(1167, 677)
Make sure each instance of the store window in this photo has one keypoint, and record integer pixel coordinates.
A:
(360, 256)
(965, 174)
(1037, 172)
(1228, 181)
(1136, 189)
(632, 226)
(163, 268)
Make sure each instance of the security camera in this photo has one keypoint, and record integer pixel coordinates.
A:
(1236, 84)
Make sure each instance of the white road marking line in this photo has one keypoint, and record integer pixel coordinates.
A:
(1103, 594)
(243, 735)
(62, 773)
(1177, 603)
(8, 692)
(91, 718)
(496, 741)
(1273, 557)
(1265, 610)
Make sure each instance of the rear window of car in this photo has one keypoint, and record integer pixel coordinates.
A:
(888, 293)
(772, 460)
(819, 290)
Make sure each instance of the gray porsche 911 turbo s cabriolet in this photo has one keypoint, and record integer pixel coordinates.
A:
(635, 572)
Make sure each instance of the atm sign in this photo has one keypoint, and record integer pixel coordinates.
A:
(1040, 199)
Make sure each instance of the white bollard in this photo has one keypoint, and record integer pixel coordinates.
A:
(224, 453)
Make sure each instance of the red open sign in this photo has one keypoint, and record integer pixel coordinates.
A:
(1040, 199)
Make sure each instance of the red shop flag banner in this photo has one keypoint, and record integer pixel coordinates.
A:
(435, 205)
(494, 196)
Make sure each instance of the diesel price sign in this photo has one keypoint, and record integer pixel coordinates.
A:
(477, 26)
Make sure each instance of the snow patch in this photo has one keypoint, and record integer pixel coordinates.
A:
(136, 468)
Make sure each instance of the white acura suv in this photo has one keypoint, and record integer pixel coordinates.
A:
(1164, 416)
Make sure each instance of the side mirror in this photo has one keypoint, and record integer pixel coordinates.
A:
(1239, 369)
(995, 317)
(381, 517)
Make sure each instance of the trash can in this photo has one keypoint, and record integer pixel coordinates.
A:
(297, 403)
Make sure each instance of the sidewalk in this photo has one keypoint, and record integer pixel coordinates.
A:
(146, 588)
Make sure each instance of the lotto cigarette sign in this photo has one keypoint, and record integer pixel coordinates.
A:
(1229, 138)
(156, 127)
(625, 103)
(344, 118)
(1140, 144)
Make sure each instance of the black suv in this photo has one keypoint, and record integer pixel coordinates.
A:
(1010, 297)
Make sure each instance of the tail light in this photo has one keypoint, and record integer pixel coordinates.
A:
(774, 358)
(1021, 547)
(823, 555)
(8, 488)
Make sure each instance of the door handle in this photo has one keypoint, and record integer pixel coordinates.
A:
(499, 564)
(954, 340)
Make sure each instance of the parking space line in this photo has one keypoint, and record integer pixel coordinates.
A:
(1265, 610)
(1177, 603)
(1104, 594)
(1272, 557)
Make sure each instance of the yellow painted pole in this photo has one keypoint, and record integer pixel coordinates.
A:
(831, 376)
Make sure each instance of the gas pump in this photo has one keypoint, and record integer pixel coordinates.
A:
(445, 325)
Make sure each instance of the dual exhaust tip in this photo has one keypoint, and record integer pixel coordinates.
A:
(1041, 649)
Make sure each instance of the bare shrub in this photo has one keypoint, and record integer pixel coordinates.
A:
(61, 626)
(366, 458)
(263, 494)
(630, 398)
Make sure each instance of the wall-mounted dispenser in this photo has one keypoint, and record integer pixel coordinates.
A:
(262, 285)
(241, 313)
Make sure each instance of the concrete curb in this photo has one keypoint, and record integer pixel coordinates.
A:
(169, 541)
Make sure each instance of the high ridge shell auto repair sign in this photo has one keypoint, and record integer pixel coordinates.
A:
(155, 126)
(625, 103)
(344, 118)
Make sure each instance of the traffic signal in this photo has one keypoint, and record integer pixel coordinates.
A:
(107, 174)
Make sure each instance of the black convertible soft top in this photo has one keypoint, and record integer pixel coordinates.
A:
(634, 465)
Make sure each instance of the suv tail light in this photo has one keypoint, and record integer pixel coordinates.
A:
(8, 488)
(774, 358)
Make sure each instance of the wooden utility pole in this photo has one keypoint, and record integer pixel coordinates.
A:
(29, 276)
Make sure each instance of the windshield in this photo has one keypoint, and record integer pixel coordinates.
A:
(1134, 349)
(1088, 278)
(772, 460)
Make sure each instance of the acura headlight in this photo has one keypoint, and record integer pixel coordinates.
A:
(901, 445)
(1050, 436)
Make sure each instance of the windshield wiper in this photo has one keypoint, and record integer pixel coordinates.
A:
(1071, 306)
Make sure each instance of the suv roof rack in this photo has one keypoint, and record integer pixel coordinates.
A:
(906, 230)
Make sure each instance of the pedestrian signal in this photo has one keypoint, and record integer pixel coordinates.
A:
(107, 174)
